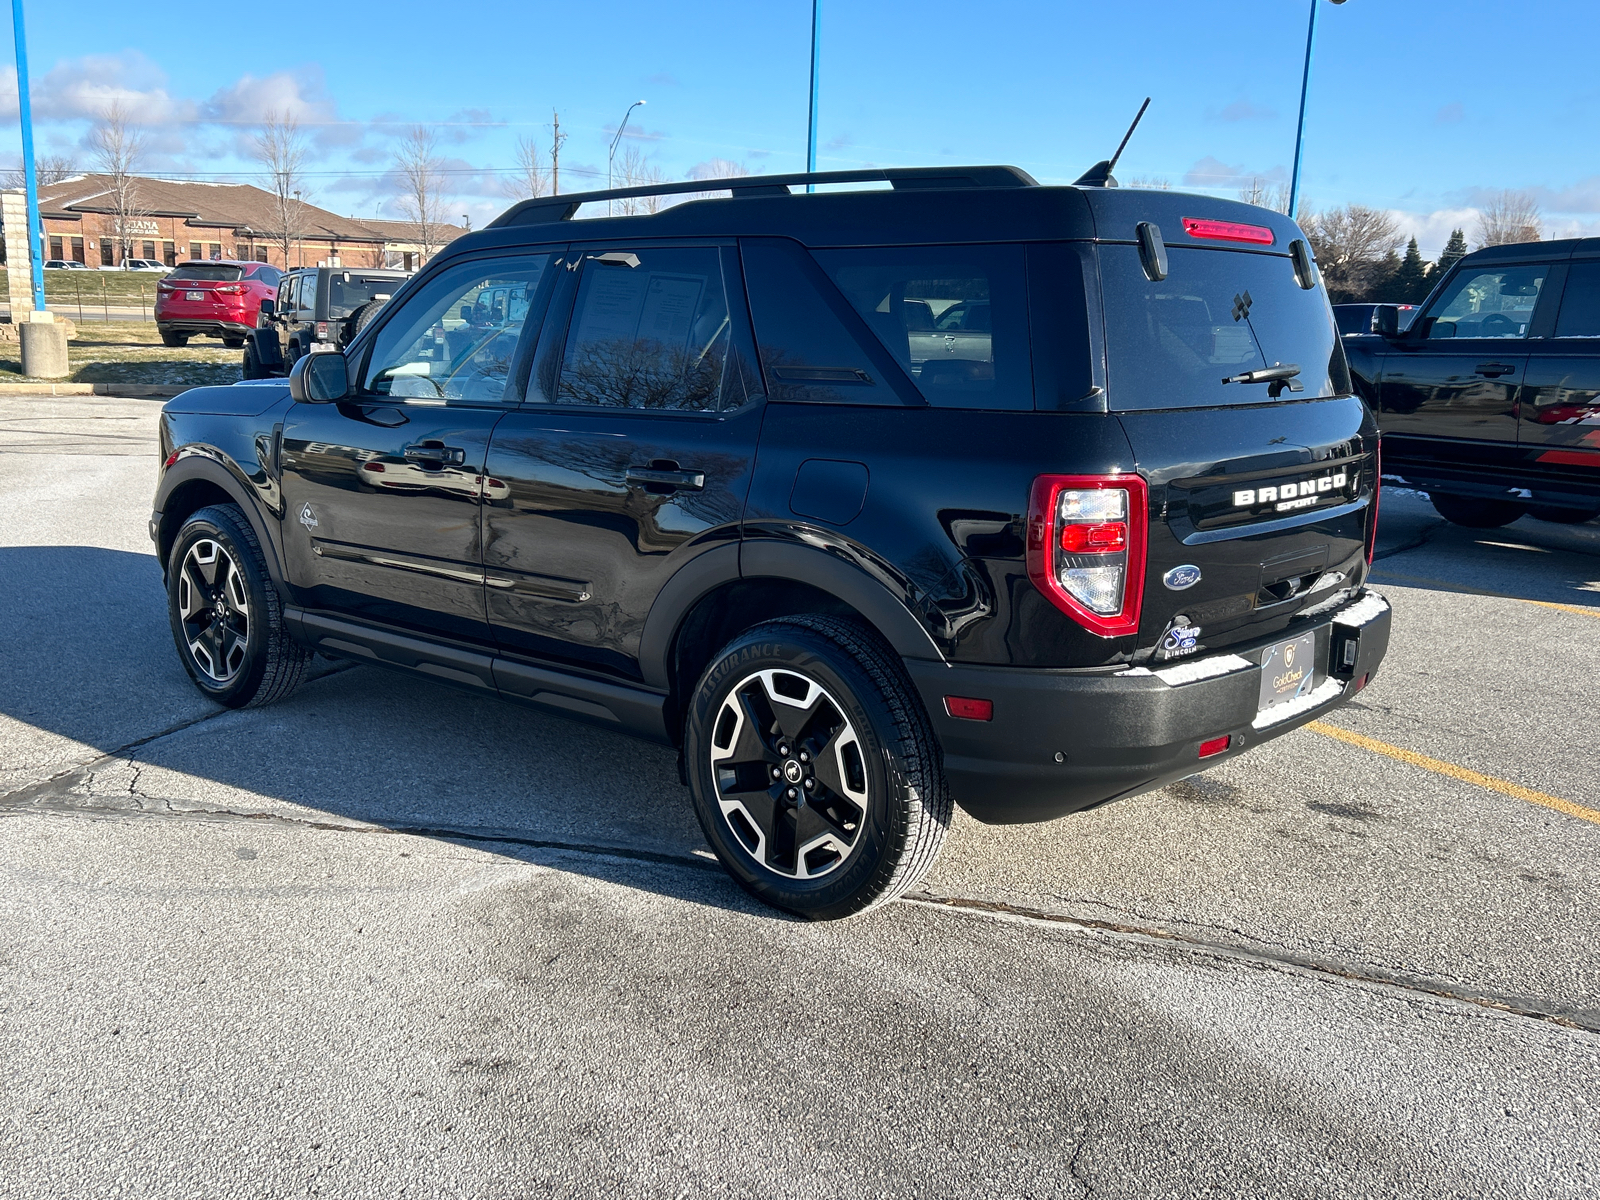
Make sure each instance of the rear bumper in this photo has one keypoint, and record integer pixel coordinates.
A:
(1062, 741)
(215, 326)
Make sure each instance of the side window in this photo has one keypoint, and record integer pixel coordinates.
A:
(651, 329)
(954, 317)
(456, 338)
(1580, 303)
(1492, 302)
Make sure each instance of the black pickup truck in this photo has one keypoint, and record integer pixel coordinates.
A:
(1490, 401)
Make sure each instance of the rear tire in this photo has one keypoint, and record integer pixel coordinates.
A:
(174, 339)
(814, 769)
(233, 343)
(1562, 516)
(1473, 512)
(226, 617)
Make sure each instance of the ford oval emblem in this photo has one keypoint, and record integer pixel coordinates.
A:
(1182, 577)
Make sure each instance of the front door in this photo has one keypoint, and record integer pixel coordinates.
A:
(632, 455)
(1459, 378)
(383, 492)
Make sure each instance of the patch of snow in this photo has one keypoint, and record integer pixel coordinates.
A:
(1202, 668)
(1332, 689)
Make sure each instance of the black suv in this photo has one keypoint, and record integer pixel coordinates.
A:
(317, 309)
(1026, 498)
(1490, 401)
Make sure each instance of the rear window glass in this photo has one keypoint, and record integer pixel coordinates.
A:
(349, 291)
(954, 317)
(1217, 315)
(214, 274)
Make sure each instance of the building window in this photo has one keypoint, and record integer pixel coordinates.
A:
(77, 250)
(169, 254)
(55, 247)
(150, 250)
(196, 250)
(105, 252)
(216, 250)
(261, 254)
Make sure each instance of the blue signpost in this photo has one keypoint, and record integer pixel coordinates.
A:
(25, 113)
(1300, 128)
(811, 125)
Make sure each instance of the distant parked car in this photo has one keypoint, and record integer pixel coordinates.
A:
(144, 264)
(319, 309)
(218, 298)
(1365, 318)
(63, 264)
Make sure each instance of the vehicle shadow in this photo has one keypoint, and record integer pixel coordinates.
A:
(1527, 560)
(91, 660)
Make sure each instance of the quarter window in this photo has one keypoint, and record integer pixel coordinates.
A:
(1580, 304)
(650, 329)
(457, 338)
(1495, 302)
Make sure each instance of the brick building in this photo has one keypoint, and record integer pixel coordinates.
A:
(184, 219)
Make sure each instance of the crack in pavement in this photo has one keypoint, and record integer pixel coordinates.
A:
(1150, 935)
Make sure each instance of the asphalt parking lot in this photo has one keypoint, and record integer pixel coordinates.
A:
(388, 939)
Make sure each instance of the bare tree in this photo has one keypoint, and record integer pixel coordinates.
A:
(1509, 217)
(118, 146)
(531, 177)
(421, 172)
(280, 148)
(52, 168)
(1259, 192)
(1155, 182)
(638, 171)
(1354, 246)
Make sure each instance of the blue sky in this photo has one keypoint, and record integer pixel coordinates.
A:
(1417, 106)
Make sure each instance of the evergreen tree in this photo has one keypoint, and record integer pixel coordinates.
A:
(1380, 287)
(1454, 250)
(1410, 282)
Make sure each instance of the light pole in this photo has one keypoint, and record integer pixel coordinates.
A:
(811, 123)
(612, 156)
(30, 177)
(1300, 129)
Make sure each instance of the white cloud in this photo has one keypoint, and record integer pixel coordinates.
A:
(81, 89)
(1212, 174)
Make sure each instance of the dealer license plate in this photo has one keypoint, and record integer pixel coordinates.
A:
(194, 295)
(1288, 670)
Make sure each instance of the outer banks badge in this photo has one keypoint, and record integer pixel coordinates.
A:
(308, 518)
(1183, 638)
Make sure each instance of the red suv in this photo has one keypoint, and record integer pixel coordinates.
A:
(217, 298)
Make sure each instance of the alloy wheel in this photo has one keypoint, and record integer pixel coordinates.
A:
(790, 774)
(214, 608)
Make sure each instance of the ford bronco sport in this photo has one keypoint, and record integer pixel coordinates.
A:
(966, 490)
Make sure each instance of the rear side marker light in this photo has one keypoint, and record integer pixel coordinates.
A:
(965, 708)
(1215, 746)
(1361, 683)
(322, 331)
(1086, 548)
(1227, 231)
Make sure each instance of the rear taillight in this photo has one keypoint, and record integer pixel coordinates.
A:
(322, 331)
(1377, 488)
(1227, 231)
(1086, 547)
(230, 289)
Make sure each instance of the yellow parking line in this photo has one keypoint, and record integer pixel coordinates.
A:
(1472, 591)
(1440, 767)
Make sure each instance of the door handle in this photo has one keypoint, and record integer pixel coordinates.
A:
(434, 452)
(1494, 370)
(689, 481)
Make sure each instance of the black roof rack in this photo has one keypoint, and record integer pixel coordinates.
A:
(542, 209)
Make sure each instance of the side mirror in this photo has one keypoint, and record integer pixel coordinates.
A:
(269, 308)
(1386, 320)
(320, 378)
(466, 312)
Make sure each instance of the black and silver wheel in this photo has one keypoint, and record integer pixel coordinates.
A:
(1473, 512)
(226, 617)
(814, 769)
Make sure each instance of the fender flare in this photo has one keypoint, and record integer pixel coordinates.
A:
(207, 466)
(771, 559)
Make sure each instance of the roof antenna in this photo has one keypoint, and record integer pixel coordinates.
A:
(1100, 175)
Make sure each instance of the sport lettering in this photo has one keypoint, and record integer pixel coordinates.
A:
(1274, 493)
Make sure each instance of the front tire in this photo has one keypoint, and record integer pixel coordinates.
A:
(1475, 513)
(252, 364)
(814, 769)
(226, 618)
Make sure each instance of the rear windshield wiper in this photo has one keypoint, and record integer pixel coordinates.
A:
(1279, 375)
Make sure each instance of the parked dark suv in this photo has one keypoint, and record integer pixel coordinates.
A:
(1490, 402)
(316, 309)
(1023, 497)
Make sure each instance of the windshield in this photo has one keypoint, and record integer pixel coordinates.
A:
(216, 274)
(1218, 314)
(348, 292)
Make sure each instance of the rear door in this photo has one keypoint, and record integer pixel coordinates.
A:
(383, 492)
(1560, 427)
(632, 455)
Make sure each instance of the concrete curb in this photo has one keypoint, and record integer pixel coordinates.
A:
(130, 391)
